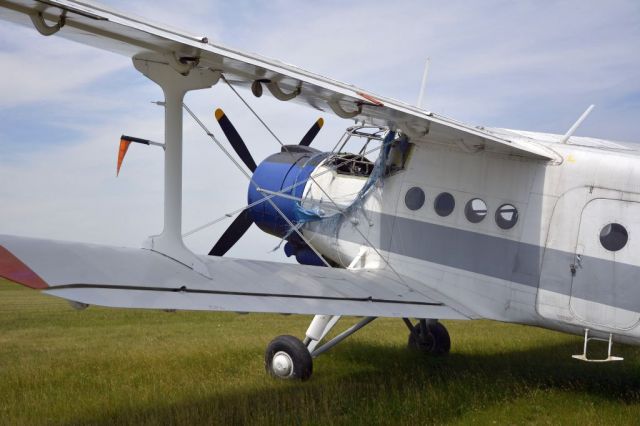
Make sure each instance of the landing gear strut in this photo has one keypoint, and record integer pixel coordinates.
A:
(428, 336)
(287, 357)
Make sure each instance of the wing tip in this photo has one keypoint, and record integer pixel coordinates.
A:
(15, 270)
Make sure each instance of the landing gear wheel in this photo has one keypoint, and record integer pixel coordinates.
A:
(287, 357)
(432, 338)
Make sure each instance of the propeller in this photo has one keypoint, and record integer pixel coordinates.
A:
(233, 233)
(312, 133)
(242, 223)
(235, 140)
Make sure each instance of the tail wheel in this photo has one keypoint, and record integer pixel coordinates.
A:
(287, 357)
(432, 338)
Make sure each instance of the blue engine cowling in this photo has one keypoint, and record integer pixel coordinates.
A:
(291, 167)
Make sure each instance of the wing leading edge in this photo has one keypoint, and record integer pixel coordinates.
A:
(139, 278)
(101, 27)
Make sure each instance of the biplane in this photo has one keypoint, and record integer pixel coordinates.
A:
(411, 215)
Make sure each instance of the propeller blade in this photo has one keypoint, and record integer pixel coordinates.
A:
(312, 133)
(235, 140)
(233, 233)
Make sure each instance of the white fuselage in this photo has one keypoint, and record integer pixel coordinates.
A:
(550, 269)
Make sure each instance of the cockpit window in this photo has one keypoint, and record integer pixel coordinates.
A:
(358, 150)
(351, 164)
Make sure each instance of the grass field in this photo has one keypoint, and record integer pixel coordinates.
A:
(107, 366)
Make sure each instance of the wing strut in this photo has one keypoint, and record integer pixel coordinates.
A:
(174, 84)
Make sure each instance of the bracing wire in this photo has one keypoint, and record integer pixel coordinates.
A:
(341, 211)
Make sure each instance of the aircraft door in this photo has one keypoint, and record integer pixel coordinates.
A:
(605, 286)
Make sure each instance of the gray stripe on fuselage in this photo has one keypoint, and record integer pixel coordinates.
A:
(508, 260)
(471, 251)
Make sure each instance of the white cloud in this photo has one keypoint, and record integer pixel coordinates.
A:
(37, 74)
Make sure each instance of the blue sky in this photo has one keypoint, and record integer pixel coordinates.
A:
(532, 65)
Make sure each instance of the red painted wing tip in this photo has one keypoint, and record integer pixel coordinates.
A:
(15, 270)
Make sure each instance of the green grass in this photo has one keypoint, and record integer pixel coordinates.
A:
(109, 366)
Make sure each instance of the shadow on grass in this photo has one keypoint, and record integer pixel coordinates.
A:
(369, 383)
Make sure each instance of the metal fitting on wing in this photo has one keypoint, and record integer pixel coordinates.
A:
(341, 112)
(183, 65)
(45, 29)
(279, 94)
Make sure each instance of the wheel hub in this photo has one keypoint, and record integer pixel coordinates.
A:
(282, 364)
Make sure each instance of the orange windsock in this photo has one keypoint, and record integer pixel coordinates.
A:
(124, 146)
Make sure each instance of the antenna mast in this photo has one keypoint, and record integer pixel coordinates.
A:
(577, 124)
(424, 83)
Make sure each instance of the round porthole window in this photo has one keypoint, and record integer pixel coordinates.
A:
(506, 216)
(475, 210)
(444, 204)
(613, 237)
(414, 199)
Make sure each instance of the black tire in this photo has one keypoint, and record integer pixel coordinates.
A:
(436, 341)
(298, 355)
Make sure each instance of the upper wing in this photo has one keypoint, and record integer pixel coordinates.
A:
(101, 27)
(551, 138)
(139, 278)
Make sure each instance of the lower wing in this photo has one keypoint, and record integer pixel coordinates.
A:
(140, 278)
